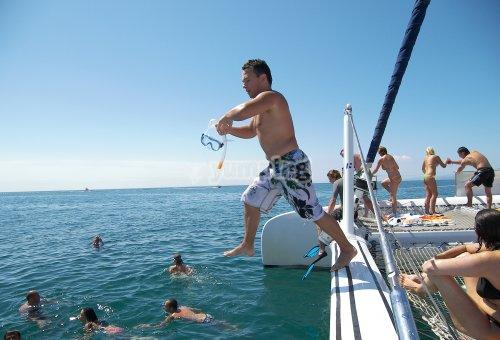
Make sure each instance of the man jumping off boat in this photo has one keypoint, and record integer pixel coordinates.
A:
(484, 175)
(289, 170)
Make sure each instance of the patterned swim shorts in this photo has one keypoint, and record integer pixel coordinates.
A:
(289, 176)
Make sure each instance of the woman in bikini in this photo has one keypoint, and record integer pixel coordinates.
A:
(429, 165)
(476, 310)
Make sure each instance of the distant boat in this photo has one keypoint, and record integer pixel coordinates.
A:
(86, 189)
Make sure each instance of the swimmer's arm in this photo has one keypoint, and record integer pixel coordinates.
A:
(473, 265)
(255, 106)
(167, 320)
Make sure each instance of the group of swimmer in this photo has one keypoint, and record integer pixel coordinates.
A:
(33, 306)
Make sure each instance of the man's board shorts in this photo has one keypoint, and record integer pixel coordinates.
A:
(208, 318)
(289, 176)
(484, 176)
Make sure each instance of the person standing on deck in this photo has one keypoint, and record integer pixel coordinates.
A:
(484, 175)
(289, 170)
(391, 184)
(429, 165)
(358, 174)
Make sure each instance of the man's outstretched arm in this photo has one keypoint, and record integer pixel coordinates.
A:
(260, 104)
(255, 106)
(246, 132)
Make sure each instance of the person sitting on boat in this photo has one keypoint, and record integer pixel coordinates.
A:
(289, 171)
(484, 175)
(97, 241)
(475, 311)
(358, 175)
(431, 161)
(89, 318)
(391, 184)
(179, 267)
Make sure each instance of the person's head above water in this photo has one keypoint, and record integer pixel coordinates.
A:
(382, 151)
(429, 151)
(12, 335)
(333, 175)
(33, 298)
(171, 305)
(256, 77)
(463, 152)
(488, 228)
(87, 315)
(177, 259)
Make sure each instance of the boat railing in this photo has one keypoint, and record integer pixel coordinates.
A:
(401, 309)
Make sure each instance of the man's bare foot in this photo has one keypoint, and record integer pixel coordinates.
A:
(344, 259)
(242, 249)
(411, 283)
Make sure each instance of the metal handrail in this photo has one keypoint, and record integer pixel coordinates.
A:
(405, 324)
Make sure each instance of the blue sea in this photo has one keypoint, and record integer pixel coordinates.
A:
(45, 244)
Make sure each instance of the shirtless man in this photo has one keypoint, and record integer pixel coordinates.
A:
(289, 170)
(97, 242)
(179, 267)
(32, 308)
(429, 165)
(484, 175)
(391, 184)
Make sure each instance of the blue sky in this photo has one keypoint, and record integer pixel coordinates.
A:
(109, 94)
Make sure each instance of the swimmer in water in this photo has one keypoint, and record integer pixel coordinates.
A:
(179, 267)
(92, 323)
(32, 308)
(97, 241)
(12, 335)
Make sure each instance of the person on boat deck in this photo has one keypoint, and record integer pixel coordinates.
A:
(289, 170)
(475, 311)
(12, 335)
(359, 174)
(88, 317)
(179, 267)
(431, 161)
(32, 308)
(337, 182)
(391, 184)
(484, 175)
(97, 241)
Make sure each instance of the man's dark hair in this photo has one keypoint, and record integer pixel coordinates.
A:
(259, 66)
(382, 150)
(487, 230)
(89, 314)
(463, 149)
(178, 259)
(11, 335)
(172, 303)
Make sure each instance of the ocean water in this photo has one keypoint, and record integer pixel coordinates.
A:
(45, 245)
